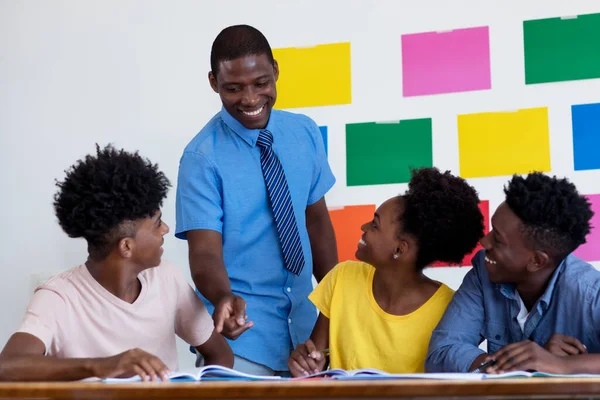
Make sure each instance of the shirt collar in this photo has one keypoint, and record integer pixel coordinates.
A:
(547, 296)
(250, 136)
(508, 290)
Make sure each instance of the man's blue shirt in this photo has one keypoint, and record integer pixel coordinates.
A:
(221, 188)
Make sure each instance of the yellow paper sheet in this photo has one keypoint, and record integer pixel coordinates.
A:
(313, 76)
(504, 143)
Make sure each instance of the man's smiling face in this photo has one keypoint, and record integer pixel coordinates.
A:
(247, 89)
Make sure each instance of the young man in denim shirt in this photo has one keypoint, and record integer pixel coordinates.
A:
(536, 304)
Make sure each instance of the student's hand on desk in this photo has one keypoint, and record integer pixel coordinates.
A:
(230, 317)
(561, 345)
(130, 363)
(527, 355)
(306, 360)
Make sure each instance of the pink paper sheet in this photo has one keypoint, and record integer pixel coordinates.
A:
(591, 250)
(446, 62)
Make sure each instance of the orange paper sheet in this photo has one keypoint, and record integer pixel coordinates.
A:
(346, 224)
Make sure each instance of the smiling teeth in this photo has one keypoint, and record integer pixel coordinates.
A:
(490, 261)
(362, 242)
(254, 113)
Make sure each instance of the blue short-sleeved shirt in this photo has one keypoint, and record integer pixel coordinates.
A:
(481, 310)
(221, 188)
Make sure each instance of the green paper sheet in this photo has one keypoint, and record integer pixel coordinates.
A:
(381, 153)
(562, 49)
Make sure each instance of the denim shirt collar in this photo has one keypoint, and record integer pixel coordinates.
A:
(509, 291)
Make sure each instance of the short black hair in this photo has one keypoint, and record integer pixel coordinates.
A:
(555, 217)
(102, 197)
(238, 41)
(442, 212)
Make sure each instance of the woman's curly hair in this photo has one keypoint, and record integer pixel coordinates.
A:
(105, 192)
(441, 211)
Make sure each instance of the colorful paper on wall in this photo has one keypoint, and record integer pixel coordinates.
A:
(562, 49)
(484, 206)
(313, 76)
(504, 143)
(590, 251)
(586, 136)
(323, 130)
(446, 62)
(346, 224)
(380, 153)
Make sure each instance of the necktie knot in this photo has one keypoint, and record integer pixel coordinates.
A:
(265, 139)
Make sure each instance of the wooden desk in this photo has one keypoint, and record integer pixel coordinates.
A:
(525, 388)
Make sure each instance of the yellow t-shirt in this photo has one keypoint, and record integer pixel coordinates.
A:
(362, 335)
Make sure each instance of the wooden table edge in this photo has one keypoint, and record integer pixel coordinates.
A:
(305, 389)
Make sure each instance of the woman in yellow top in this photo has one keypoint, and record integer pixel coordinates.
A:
(380, 312)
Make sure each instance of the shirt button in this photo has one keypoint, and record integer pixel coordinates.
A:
(289, 320)
(289, 289)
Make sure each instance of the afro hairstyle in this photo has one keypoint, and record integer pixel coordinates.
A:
(102, 196)
(441, 211)
(555, 217)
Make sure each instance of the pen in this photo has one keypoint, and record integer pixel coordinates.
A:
(483, 366)
(325, 352)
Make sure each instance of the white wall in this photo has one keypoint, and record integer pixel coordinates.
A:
(73, 73)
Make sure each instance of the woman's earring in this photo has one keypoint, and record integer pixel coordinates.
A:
(395, 256)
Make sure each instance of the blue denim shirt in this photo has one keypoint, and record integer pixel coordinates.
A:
(481, 310)
(221, 188)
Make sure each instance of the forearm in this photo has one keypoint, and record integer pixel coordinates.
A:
(323, 246)
(224, 359)
(44, 368)
(320, 333)
(209, 275)
(448, 353)
(582, 364)
(216, 351)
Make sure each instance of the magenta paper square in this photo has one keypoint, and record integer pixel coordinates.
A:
(590, 251)
(446, 62)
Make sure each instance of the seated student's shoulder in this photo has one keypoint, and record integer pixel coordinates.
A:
(166, 270)
(166, 277)
(54, 297)
(347, 270)
(69, 283)
(445, 293)
(580, 275)
(442, 298)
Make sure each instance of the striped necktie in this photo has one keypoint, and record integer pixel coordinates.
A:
(281, 203)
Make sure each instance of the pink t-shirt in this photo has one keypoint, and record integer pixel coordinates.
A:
(76, 317)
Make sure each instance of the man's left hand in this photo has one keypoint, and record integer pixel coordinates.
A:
(527, 355)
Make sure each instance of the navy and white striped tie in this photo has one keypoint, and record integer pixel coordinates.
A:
(281, 203)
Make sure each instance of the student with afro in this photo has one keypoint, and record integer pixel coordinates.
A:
(536, 304)
(117, 314)
(379, 312)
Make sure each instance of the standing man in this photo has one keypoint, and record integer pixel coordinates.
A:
(250, 202)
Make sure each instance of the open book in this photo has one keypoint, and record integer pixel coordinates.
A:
(526, 374)
(371, 373)
(374, 374)
(209, 372)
